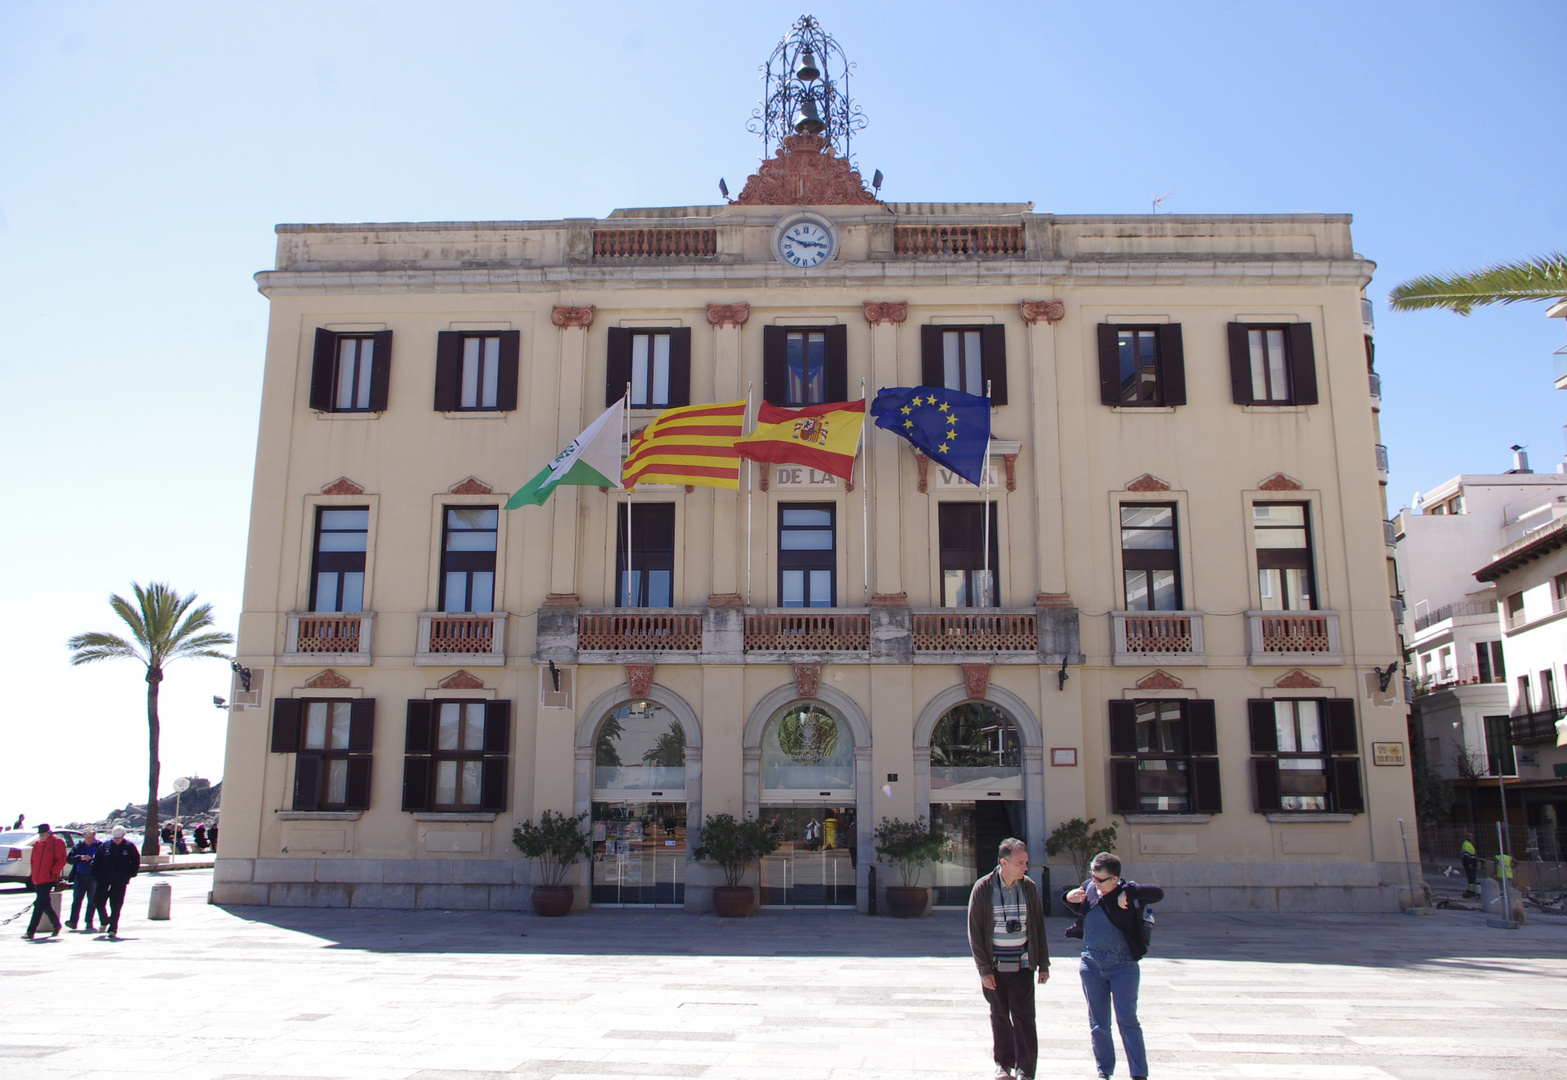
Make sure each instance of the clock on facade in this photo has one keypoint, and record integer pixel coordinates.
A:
(805, 243)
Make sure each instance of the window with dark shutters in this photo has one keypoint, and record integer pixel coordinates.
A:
(477, 372)
(1305, 756)
(285, 725)
(654, 363)
(1141, 365)
(1272, 365)
(351, 372)
(332, 741)
(648, 580)
(1164, 757)
(968, 359)
(805, 365)
(455, 755)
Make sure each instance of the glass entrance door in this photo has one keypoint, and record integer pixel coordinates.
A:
(814, 863)
(974, 832)
(639, 853)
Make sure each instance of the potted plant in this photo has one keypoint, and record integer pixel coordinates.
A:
(910, 846)
(733, 845)
(1079, 841)
(555, 843)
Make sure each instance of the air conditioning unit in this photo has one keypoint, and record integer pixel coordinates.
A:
(551, 697)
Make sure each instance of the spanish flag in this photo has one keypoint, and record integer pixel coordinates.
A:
(824, 437)
(694, 444)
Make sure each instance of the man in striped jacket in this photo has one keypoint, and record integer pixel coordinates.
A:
(1006, 933)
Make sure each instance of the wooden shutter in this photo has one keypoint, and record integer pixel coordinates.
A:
(1109, 366)
(1205, 786)
(933, 368)
(497, 727)
(1202, 728)
(1340, 724)
(492, 784)
(381, 371)
(1172, 365)
(285, 725)
(837, 362)
(1240, 363)
(448, 371)
(775, 364)
(1123, 787)
(416, 783)
(420, 736)
(506, 377)
(1303, 364)
(358, 793)
(617, 365)
(322, 368)
(1348, 797)
(1123, 727)
(680, 366)
(994, 344)
(1265, 784)
(361, 726)
(1264, 729)
(307, 781)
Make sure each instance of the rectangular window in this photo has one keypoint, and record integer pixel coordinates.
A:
(804, 365)
(1303, 770)
(655, 364)
(806, 361)
(807, 555)
(1149, 558)
(331, 743)
(351, 380)
(963, 361)
(1525, 703)
(459, 754)
(649, 580)
(1488, 657)
(337, 580)
(1141, 365)
(649, 370)
(1547, 691)
(1499, 757)
(1515, 616)
(468, 558)
(1272, 365)
(1284, 571)
(964, 581)
(1559, 592)
(477, 372)
(481, 365)
(1164, 757)
(1306, 755)
(350, 372)
(1137, 354)
(326, 732)
(1269, 366)
(970, 359)
(456, 755)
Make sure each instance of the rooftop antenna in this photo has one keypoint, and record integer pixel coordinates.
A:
(1157, 199)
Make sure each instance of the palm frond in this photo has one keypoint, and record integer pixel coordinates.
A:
(1543, 278)
(86, 648)
(164, 626)
(209, 645)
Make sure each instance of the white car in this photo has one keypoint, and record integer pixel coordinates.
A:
(16, 853)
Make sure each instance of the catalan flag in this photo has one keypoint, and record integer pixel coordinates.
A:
(824, 437)
(694, 444)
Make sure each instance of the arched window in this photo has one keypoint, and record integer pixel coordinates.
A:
(639, 749)
(807, 753)
(975, 752)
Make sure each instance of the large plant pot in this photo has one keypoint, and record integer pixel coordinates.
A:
(551, 901)
(734, 903)
(907, 901)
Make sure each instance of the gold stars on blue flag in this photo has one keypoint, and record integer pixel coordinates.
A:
(948, 426)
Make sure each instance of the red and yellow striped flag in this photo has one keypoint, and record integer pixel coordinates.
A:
(694, 444)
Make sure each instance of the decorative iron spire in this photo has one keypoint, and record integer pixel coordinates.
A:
(805, 91)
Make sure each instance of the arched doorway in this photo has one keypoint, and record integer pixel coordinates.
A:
(639, 805)
(807, 803)
(976, 793)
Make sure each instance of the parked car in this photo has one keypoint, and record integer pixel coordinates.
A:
(16, 853)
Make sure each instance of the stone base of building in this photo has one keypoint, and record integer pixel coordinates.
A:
(1361, 887)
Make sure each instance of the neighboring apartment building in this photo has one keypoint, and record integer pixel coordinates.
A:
(1186, 607)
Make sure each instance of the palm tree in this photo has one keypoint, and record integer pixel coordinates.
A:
(164, 628)
(1542, 278)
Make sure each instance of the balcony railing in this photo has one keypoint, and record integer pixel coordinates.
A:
(1538, 726)
(971, 630)
(1381, 458)
(807, 631)
(1389, 533)
(1462, 675)
(342, 638)
(640, 631)
(938, 240)
(1376, 385)
(1294, 637)
(1454, 611)
(654, 243)
(453, 637)
(1163, 637)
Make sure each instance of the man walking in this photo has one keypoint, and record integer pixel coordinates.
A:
(1006, 933)
(48, 863)
(83, 884)
(115, 864)
(1471, 860)
(1111, 923)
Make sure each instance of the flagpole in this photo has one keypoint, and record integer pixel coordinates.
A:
(748, 466)
(626, 585)
(865, 500)
(985, 488)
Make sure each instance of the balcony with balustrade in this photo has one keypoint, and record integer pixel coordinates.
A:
(336, 638)
(1161, 638)
(1537, 726)
(1293, 637)
(638, 635)
(461, 638)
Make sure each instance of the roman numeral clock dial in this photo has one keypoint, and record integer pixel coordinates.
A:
(805, 244)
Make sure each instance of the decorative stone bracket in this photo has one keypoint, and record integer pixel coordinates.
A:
(572, 317)
(639, 679)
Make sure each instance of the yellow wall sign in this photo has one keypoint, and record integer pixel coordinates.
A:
(1387, 753)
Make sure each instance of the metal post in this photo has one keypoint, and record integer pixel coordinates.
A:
(1504, 921)
(1408, 870)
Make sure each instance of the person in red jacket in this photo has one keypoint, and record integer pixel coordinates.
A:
(48, 864)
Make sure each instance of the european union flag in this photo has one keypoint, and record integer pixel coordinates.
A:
(948, 426)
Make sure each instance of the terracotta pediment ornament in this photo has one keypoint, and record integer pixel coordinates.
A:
(735, 315)
(327, 680)
(1279, 482)
(976, 679)
(1051, 311)
(1297, 680)
(1148, 482)
(1160, 680)
(572, 317)
(806, 172)
(342, 486)
(461, 680)
(639, 679)
(471, 486)
(807, 677)
(893, 311)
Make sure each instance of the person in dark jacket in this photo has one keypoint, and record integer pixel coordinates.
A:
(83, 884)
(1006, 934)
(115, 864)
(200, 836)
(1111, 925)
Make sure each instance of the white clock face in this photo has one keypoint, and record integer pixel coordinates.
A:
(805, 244)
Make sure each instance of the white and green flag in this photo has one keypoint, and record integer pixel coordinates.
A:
(592, 460)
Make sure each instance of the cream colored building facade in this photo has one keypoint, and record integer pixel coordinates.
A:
(1217, 810)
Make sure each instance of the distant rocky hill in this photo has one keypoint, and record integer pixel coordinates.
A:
(198, 806)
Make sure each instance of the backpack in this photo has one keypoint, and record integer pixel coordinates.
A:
(1148, 925)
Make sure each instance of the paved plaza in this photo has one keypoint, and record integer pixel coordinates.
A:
(234, 994)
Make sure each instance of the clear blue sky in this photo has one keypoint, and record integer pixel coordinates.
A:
(146, 151)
